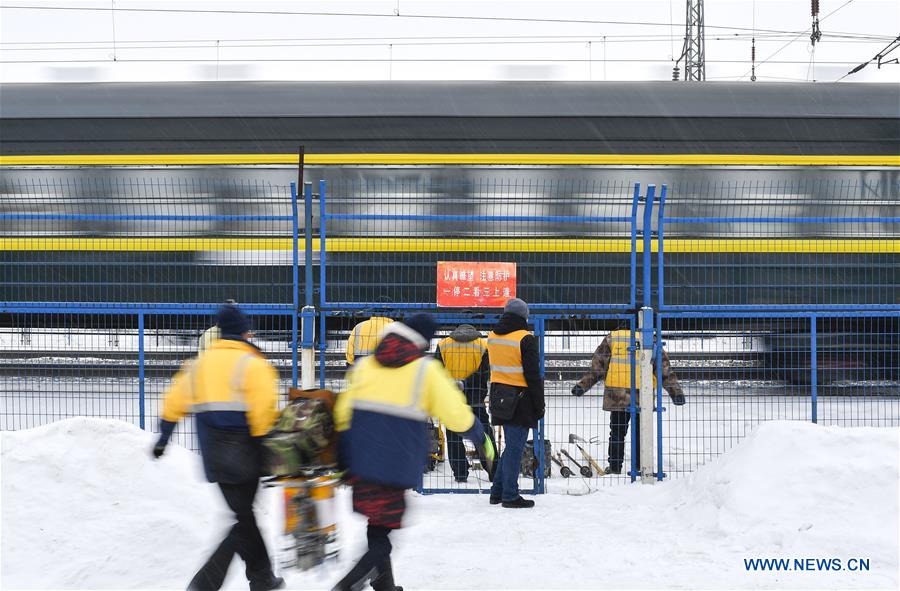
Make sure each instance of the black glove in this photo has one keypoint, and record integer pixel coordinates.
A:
(678, 399)
(487, 454)
(577, 390)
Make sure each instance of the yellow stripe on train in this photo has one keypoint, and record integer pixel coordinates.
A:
(451, 245)
(450, 159)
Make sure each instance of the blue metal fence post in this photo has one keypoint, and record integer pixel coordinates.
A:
(632, 406)
(648, 239)
(660, 224)
(323, 344)
(141, 377)
(296, 278)
(658, 351)
(322, 244)
(634, 209)
(539, 432)
(814, 366)
(660, 282)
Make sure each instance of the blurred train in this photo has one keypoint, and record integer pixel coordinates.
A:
(100, 153)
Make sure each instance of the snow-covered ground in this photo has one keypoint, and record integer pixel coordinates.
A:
(84, 506)
(716, 417)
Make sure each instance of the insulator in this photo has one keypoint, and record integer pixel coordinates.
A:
(815, 7)
(675, 73)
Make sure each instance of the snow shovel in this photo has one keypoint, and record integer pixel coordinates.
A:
(585, 470)
(574, 439)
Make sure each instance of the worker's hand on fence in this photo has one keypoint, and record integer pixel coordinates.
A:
(577, 390)
(678, 399)
(486, 454)
(158, 449)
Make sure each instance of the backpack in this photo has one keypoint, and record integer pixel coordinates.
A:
(303, 437)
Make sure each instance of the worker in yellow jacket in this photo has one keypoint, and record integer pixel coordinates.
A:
(381, 418)
(364, 338)
(464, 354)
(233, 392)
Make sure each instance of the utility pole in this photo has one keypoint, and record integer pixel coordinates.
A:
(693, 53)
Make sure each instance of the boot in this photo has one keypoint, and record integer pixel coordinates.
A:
(267, 584)
(519, 503)
(613, 470)
(384, 580)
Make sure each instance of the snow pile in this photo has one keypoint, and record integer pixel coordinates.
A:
(84, 506)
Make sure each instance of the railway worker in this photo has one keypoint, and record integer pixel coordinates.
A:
(212, 333)
(516, 398)
(611, 363)
(233, 391)
(381, 418)
(364, 338)
(464, 354)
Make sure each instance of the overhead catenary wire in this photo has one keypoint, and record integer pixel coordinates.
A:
(893, 45)
(375, 15)
(410, 60)
(786, 45)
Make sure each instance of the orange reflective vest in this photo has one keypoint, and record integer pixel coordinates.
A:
(505, 354)
(619, 373)
(462, 359)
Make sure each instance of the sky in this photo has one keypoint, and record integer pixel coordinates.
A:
(122, 40)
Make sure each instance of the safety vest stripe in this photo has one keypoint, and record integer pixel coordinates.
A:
(220, 406)
(620, 360)
(358, 348)
(621, 339)
(507, 369)
(404, 412)
(504, 342)
(237, 378)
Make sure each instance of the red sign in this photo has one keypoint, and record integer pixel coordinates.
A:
(475, 285)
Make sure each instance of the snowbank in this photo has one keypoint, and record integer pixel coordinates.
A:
(83, 506)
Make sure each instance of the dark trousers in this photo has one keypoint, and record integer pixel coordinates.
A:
(618, 429)
(375, 564)
(243, 539)
(506, 479)
(456, 450)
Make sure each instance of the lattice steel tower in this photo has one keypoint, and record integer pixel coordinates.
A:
(693, 53)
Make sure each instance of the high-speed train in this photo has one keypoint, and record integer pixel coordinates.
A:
(477, 152)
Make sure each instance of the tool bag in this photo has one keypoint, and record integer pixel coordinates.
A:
(304, 436)
(530, 461)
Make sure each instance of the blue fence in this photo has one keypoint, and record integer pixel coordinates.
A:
(107, 286)
(773, 301)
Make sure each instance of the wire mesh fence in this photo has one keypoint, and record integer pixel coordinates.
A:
(571, 242)
(776, 300)
(788, 243)
(57, 366)
(738, 370)
(104, 240)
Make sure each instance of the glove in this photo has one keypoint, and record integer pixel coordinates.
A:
(486, 454)
(158, 450)
(678, 399)
(577, 390)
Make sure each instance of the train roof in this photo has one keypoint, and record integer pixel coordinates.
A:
(448, 99)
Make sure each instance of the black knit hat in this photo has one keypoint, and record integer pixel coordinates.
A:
(423, 324)
(231, 321)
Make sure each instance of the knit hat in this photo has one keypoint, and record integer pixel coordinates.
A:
(231, 321)
(423, 324)
(517, 307)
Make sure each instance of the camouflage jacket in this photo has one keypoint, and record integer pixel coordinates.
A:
(619, 398)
